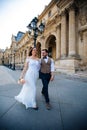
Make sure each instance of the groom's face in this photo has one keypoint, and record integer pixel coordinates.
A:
(44, 53)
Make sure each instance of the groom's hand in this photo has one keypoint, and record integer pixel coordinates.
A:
(52, 78)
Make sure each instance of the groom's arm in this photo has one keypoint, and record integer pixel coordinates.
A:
(52, 70)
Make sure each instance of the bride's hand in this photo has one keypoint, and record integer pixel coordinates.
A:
(21, 81)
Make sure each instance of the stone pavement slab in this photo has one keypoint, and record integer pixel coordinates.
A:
(74, 117)
(68, 97)
(14, 116)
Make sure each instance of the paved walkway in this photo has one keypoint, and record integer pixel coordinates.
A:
(68, 95)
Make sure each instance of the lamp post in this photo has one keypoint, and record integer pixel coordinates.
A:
(14, 62)
(14, 51)
(36, 29)
(3, 57)
(10, 61)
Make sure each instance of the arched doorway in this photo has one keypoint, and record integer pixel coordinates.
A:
(51, 45)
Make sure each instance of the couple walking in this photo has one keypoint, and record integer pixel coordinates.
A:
(30, 75)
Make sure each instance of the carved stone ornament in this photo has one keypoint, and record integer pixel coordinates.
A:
(83, 16)
(64, 12)
(59, 10)
(81, 35)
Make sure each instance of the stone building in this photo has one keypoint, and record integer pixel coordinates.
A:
(65, 36)
(1, 56)
(4, 56)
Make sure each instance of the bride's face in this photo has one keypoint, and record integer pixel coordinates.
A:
(34, 51)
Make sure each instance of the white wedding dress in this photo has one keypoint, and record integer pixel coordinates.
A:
(27, 96)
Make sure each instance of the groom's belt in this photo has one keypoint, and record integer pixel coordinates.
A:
(46, 72)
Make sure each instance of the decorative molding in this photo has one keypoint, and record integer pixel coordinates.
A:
(59, 10)
(72, 7)
(83, 28)
(83, 16)
(81, 36)
(63, 12)
(42, 37)
(58, 26)
(50, 22)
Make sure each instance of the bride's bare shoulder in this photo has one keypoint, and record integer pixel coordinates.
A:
(28, 57)
(37, 58)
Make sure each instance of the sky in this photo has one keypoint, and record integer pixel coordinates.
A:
(15, 15)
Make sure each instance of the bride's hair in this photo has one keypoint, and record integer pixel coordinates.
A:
(31, 49)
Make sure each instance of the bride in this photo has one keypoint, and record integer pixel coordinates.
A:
(28, 78)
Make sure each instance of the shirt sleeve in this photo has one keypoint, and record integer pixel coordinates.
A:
(52, 65)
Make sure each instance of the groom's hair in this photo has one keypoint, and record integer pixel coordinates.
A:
(45, 50)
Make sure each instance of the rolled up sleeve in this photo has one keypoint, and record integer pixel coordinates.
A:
(52, 65)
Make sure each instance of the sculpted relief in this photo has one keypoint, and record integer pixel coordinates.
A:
(83, 16)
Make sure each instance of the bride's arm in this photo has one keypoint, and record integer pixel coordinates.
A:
(24, 70)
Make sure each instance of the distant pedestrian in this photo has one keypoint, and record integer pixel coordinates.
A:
(10, 65)
(46, 75)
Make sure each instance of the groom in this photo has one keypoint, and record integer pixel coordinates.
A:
(46, 75)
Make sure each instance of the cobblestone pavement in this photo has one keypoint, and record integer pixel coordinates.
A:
(78, 76)
(68, 96)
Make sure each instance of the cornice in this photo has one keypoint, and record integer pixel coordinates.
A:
(65, 5)
(80, 3)
(72, 7)
(47, 8)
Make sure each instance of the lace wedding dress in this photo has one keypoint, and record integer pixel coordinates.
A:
(27, 95)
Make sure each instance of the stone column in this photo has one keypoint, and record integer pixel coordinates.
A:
(20, 57)
(72, 32)
(42, 41)
(21, 60)
(23, 56)
(12, 58)
(85, 45)
(63, 34)
(58, 43)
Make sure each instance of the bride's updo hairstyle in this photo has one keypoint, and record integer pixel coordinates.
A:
(31, 49)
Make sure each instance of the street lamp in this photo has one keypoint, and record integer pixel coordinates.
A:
(14, 51)
(36, 29)
(14, 62)
(3, 57)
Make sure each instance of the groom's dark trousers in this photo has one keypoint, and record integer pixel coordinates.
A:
(45, 77)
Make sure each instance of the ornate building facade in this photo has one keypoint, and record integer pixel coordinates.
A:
(65, 36)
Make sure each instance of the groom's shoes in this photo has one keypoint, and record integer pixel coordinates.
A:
(48, 106)
(42, 93)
